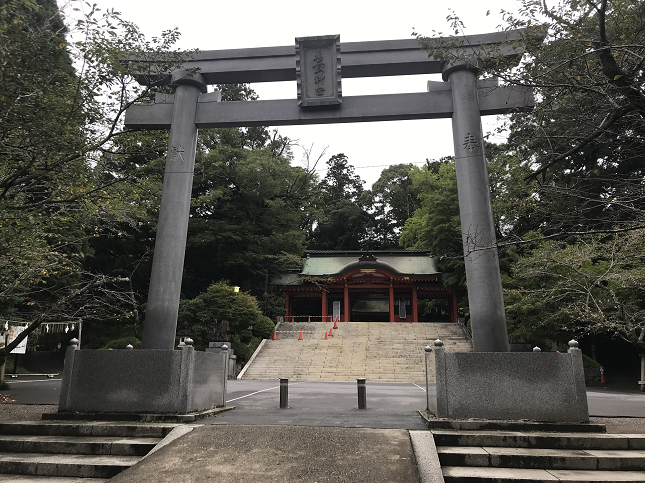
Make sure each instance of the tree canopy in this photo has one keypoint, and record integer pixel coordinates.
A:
(63, 90)
(577, 181)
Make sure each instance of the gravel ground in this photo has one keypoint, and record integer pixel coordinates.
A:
(622, 425)
(10, 412)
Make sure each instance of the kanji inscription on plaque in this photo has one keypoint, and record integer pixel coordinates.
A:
(318, 71)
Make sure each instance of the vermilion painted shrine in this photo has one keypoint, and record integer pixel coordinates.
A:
(374, 286)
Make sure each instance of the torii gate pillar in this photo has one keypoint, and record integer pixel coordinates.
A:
(487, 316)
(174, 213)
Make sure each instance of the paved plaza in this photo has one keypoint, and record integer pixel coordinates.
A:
(390, 405)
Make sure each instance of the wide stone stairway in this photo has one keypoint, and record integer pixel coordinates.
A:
(56, 452)
(378, 351)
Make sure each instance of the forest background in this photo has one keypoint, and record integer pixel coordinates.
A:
(79, 195)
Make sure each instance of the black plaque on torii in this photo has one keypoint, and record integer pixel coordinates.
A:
(318, 71)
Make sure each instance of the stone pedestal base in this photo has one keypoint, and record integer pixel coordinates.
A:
(143, 381)
(537, 386)
(216, 347)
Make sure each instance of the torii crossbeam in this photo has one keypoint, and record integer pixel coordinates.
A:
(315, 63)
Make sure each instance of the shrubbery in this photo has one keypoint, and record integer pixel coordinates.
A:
(201, 316)
(263, 328)
(121, 343)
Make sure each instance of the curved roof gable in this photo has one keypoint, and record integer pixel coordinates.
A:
(398, 262)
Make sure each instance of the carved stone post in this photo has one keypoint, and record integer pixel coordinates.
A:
(487, 315)
(170, 245)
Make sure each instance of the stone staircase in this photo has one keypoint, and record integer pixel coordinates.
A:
(505, 456)
(55, 452)
(379, 351)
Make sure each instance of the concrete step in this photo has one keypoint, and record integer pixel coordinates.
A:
(507, 475)
(80, 466)
(539, 458)
(517, 439)
(90, 445)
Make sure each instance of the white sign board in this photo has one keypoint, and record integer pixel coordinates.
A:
(336, 310)
(13, 333)
(402, 313)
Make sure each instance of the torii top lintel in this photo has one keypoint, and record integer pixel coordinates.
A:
(359, 59)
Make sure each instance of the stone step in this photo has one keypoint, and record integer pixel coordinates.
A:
(80, 466)
(506, 475)
(91, 445)
(516, 439)
(380, 351)
(88, 428)
(538, 458)
(310, 378)
(85, 451)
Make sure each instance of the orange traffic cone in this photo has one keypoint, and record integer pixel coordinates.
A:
(300, 336)
(325, 335)
(309, 320)
(335, 323)
(330, 334)
(275, 336)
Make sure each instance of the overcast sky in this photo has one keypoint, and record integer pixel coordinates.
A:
(370, 147)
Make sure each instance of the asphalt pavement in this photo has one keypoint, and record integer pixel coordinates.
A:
(26, 389)
(389, 405)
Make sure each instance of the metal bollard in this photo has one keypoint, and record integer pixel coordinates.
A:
(362, 396)
(284, 392)
(225, 355)
(428, 350)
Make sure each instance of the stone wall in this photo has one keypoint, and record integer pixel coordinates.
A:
(142, 381)
(539, 386)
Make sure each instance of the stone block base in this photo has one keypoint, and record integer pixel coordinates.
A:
(143, 381)
(537, 386)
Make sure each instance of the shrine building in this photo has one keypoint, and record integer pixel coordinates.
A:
(367, 286)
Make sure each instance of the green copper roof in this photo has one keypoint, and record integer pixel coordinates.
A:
(403, 262)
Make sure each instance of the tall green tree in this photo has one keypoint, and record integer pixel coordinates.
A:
(250, 208)
(64, 87)
(582, 151)
(393, 199)
(345, 223)
(585, 286)
(435, 224)
(247, 218)
(583, 141)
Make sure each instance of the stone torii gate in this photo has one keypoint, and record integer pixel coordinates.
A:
(315, 63)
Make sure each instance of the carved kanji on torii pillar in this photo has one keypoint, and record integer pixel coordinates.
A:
(316, 64)
(484, 283)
